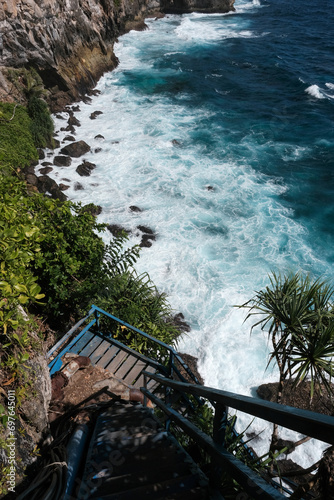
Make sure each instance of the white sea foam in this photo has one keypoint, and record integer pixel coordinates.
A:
(319, 93)
(220, 225)
(314, 91)
(190, 30)
(246, 6)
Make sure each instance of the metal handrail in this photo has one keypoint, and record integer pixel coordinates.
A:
(55, 364)
(68, 334)
(306, 422)
(170, 349)
(252, 483)
(310, 423)
(172, 352)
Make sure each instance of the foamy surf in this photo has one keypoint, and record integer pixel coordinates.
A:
(314, 91)
(216, 170)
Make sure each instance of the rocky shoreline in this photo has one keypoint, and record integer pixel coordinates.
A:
(70, 71)
(71, 45)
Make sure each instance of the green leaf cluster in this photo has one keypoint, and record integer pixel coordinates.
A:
(69, 265)
(299, 316)
(42, 126)
(135, 299)
(17, 148)
(20, 238)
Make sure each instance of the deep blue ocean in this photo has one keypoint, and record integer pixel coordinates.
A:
(220, 128)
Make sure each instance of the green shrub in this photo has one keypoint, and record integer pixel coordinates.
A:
(136, 300)
(69, 265)
(42, 127)
(17, 148)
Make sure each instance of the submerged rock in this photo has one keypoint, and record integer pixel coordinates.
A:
(78, 186)
(86, 168)
(147, 237)
(69, 138)
(73, 121)
(41, 154)
(180, 323)
(92, 209)
(45, 170)
(145, 229)
(62, 161)
(48, 185)
(76, 149)
(146, 241)
(136, 26)
(117, 230)
(95, 114)
(133, 208)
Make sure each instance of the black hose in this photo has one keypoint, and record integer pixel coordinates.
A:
(51, 481)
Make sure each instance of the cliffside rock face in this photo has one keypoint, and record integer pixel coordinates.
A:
(183, 6)
(70, 42)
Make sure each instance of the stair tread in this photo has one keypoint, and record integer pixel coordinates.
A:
(139, 459)
(186, 485)
(131, 454)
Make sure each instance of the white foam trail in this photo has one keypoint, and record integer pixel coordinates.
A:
(214, 246)
(314, 91)
(246, 6)
(192, 31)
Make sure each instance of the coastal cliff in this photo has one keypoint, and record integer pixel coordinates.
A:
(70, 42)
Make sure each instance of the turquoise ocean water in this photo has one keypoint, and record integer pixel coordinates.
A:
(221, 129)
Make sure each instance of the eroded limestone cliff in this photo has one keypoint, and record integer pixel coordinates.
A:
(70, 42)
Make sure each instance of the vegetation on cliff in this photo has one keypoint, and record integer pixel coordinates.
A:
(54, 264)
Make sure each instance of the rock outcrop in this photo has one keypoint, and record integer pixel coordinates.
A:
(70, 42)
(209, 6)
(299, 397)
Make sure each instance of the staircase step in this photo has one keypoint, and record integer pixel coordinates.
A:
(132, 456)
(139, 471)
(182, 487)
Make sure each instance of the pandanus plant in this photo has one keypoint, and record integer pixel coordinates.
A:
(298, 314)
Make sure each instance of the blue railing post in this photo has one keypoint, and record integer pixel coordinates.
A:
(97, 316)
(171, 364)
(219, 432)
(168, 390)
(145, 386)
(219, 424)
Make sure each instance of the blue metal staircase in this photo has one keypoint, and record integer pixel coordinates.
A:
(148, 461)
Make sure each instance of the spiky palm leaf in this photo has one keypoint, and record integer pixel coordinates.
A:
(312, 353)
(299, 317)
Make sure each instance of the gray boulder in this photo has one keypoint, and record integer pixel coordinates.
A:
(75, 149)
(62, 161)
(86, 168)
